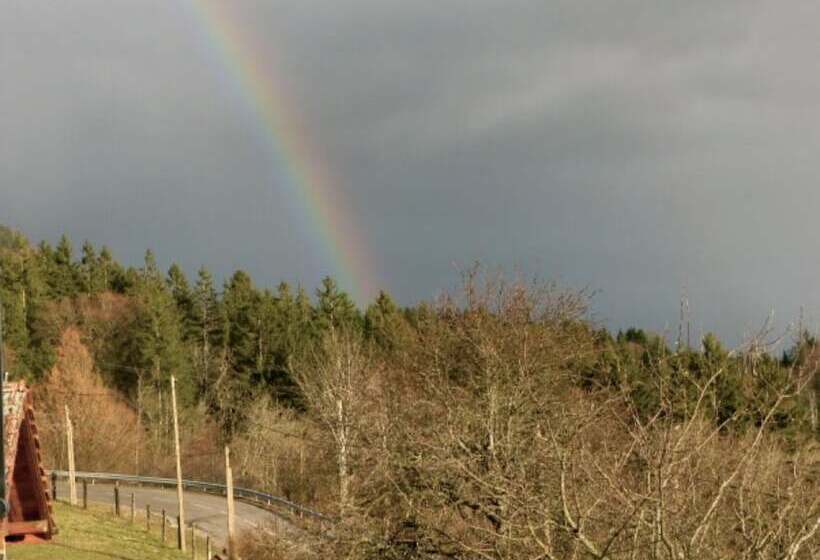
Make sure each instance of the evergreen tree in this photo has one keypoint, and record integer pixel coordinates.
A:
(181, 292)
(157, 349)
(208, 331)
(150, 271)
(335, 309)
(235, 388)
(384, 322)
(89, 269)
(62, 273)
(106, 265)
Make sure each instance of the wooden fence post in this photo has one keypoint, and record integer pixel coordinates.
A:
(85, 494)
(54, 486)
(133, 508)
(72, 473)
(148, 517)
(208, 554)
(180, 534)
(117, 498)
(164, 524)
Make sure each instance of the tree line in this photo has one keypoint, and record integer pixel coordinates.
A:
(229, 345)
(226, 345)
(497, 421)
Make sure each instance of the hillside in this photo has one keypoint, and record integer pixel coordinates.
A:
(498, 421)
(96, 535)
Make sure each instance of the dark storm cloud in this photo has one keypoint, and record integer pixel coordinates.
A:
(635, 147)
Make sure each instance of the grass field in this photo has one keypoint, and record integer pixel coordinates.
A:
(97, 535)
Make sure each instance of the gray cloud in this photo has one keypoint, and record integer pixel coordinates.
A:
(635, 147)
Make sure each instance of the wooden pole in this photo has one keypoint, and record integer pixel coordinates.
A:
(208, 553)
(133, 508)
(117, 498)
(85, 494)
(72, 473)
(164, 524)
(179, 462)
(148, 518)
(229, 488)
(180, 535)
(138, 439)
(54, 487)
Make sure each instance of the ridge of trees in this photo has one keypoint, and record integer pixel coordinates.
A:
(497, 422)
(232, 344)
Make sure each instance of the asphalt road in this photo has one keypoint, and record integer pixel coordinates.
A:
(206, 511)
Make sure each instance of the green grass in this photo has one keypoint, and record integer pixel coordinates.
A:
(98, 535)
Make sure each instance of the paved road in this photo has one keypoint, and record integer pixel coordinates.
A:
(207, 511)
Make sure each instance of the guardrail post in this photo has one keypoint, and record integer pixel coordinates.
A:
(85, 494)
(54, 486)
(164, 524)
(117, 498)
(133, 508)
(148, 517)
(180, 534)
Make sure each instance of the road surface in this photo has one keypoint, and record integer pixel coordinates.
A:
(206, 511)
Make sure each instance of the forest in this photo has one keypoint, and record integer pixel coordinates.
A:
(497, 421)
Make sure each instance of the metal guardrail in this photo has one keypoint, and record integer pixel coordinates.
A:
(252, 496)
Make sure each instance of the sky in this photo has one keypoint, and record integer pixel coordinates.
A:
(638, 149)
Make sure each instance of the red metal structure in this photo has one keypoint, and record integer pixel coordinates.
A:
(27, 487)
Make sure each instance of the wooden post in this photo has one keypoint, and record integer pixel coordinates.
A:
(117, 498)
(54, 486)
(179, 462)
(302, 467)
(133, 508)
(72, 473)
(164, 524)
(208, 554)
(229, 488)
(148, 517)
(180, 534)
(85, 494)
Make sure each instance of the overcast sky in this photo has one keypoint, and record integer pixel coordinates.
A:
(632, 147)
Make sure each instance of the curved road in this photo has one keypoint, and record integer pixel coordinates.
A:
(206, 511)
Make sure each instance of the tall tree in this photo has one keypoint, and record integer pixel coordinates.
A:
(335, 309)
(208, 331)
(234, 388)
(62, 274)
(184, 298)
(155, 346)
(89, 268)
(384, 323)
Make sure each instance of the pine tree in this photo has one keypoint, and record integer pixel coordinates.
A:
(181, 292)
(235, 389)
(208, 331)
(156, 348)
(63, 276)
(335, 309)
(89, 269)
(384, 322)
(106, 265)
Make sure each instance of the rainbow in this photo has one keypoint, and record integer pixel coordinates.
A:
(296, 160)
